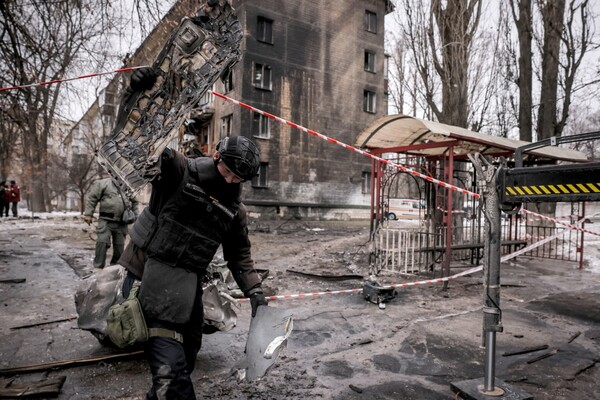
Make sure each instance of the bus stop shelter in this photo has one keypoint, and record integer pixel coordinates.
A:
(434, 149)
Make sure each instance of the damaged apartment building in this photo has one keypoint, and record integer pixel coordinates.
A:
(317, 63)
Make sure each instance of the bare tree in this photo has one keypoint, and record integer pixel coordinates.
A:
(566, 38)
(524, 23)
(552, 12)
(76, 175)
(488, 88)
(414, 25)
(8, 136)
(577, 40)
(456, 25)
(585, 119)
(45, 41)
(39, 42)
(397, 74)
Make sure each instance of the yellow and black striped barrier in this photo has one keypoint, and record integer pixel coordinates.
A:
(574, 182)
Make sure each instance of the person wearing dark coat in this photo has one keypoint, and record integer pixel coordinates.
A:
(195, 206)
(15, 197)
(4, 199)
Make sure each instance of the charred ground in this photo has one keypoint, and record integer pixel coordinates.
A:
(342, 347)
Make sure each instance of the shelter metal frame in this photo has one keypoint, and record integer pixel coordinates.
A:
(443, 145)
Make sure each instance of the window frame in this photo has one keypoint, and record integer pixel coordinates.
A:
(228, 82)
(366, 182)
(207, 98)
(260, 83)
(262, 179)
(204, 134)
(264, 29)
(261, 126)
(370, 21)
(226, 127)
(370, 61)
(370, 101)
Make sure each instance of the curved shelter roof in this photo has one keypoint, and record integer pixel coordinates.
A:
(405, 134)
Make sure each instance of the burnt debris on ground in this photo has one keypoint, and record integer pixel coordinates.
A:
(342, 346)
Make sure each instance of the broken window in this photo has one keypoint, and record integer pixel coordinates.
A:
(204, 135)
(369, 104)
(228, 81)
(262, 76)
(264, 28)
(261, 126)
(370, 21)
(226, 125)
(262, 179)
(369, 61)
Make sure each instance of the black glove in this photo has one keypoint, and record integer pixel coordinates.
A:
(257, 299)
(142, 79)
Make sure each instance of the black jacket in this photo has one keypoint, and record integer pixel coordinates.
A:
(176, 215)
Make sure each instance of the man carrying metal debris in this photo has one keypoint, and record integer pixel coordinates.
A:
(194, 207)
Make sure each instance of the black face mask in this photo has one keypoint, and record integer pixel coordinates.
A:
(238, 166)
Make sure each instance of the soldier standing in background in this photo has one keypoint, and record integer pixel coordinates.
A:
(113, 203)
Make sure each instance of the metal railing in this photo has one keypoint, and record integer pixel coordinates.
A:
(414, 250)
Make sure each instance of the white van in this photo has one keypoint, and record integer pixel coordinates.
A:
(404, 209)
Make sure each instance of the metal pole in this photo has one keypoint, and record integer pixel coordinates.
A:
(491, 285)
(449, 173)
(487, 177)
(582, 248)
(490, 361)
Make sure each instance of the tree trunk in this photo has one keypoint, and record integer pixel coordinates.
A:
(524, 25)
(456, 24)
(552, 14)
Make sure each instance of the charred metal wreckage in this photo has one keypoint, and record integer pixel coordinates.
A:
(202, 49)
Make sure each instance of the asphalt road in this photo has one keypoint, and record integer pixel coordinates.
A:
(342, 346)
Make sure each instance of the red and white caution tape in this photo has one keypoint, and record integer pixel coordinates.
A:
(301, 295)
(525, 218)
(70, 79)
(311, 132)
(388, 162)
(348, 147)
(417, 283)
(532, 246)
(570, 226)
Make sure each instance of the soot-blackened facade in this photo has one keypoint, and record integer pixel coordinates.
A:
(317, 63)
(320, 64)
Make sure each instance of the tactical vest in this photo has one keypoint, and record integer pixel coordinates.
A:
(191, 226)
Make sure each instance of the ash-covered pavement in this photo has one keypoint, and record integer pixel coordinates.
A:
(342, 347)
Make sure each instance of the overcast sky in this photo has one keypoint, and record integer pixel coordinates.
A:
(127, 42)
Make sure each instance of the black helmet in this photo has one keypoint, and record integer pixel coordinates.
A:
(241, 156)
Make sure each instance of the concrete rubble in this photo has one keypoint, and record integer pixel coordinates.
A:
(342, 346)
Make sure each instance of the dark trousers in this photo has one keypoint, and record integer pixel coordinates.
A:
(14, 209)
(105, 232)
(171, 362)
(4, 207)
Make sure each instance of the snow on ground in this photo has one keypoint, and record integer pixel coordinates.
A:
(75, 219)
(41, 218)
(591, 255)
